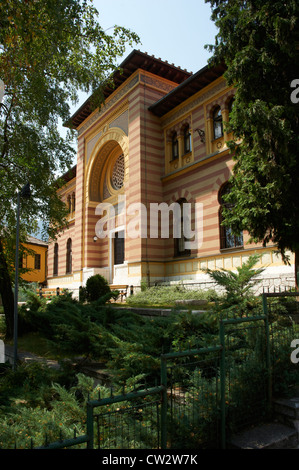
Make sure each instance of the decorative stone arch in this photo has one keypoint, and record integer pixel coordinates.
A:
(212, 106)
(181, 194)
(178, 128)
(228, 98)
(106, 145)
(219, 182)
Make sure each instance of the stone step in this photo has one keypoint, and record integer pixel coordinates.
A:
(287, 411)
(266, 436)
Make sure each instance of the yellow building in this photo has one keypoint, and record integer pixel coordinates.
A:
(35, 260)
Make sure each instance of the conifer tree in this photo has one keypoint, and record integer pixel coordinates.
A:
(258, 40)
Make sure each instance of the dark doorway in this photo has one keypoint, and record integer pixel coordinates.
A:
(119, 247)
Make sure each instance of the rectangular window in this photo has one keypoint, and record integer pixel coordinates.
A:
(37, 259)
(23, 260)
(119, 248)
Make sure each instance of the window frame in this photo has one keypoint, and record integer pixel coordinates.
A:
(55, 260)
(37, 261)
(187, 140)
(228, 240)
(69, 257)
(217, 123)
(174, 146)
(178, 252)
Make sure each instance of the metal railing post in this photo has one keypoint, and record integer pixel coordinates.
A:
(89, 426)
(164, 403)
(268, 354)
(222, 384)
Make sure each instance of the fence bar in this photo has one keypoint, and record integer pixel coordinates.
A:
(191, 352)
(164, 402)
(222, 384)
(66, 443)
(281, 294)
(243, 319)
(125, 397)
(89, 425)
(268, 355)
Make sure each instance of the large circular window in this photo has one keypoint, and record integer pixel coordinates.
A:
(118, 173)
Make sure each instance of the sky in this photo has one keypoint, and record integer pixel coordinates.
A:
(168, 29)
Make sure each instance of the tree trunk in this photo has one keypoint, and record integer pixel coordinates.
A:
(6, 294)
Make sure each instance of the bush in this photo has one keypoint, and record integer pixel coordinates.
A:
(167, 295)
(238, 297)
(96, 286)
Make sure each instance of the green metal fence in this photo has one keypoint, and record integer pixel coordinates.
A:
(129, 421)
(282, 311)
(191, 398)
(205, 394)
(245, 378)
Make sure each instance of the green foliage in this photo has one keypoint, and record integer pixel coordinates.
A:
(39, 403)
(49, 51)
(190, 331)
(96, 286)
(238, 286)
(102, 332)
(35, 400)
(167, 295)
(258, 41)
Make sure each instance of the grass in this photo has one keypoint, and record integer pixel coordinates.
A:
(166, 296)
(31, 342)
(34, 343)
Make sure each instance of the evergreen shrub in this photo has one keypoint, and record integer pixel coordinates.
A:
(96, 286)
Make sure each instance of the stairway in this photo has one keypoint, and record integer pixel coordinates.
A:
(282, 433)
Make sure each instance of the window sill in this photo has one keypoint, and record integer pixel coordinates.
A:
(232, 249)
(218, 139)
(182, 255)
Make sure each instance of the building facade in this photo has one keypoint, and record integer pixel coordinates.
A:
(35, 260)
(146, 194)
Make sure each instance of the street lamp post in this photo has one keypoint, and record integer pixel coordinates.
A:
(24, 193)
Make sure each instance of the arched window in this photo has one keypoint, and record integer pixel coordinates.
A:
(187, 140)
(180, 242)
(227, 238)
(175, 146)
(55, 264)
(69, 256)
(217, 123)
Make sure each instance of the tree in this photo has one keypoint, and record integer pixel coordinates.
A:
(258, 41)
(49, 50)
(237, 284)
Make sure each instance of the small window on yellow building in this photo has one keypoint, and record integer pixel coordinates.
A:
(37, 261)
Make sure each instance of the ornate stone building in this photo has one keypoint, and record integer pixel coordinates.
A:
(158, 139)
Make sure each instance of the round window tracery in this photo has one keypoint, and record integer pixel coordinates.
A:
(118, 173)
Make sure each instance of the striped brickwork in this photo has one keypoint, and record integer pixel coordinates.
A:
(125, 126)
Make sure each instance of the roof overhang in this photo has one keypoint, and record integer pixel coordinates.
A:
(136, 60)
(188, 88)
